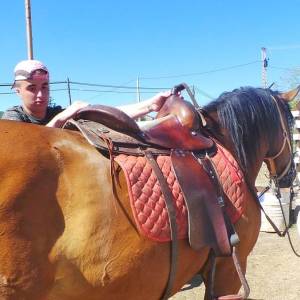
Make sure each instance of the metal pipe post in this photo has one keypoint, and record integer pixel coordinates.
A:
(28, 29)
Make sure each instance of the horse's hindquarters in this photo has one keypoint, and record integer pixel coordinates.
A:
(30, 218)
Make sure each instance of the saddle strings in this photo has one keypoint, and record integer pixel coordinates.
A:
(113, 173)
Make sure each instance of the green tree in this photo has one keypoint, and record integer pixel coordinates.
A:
(292, 80)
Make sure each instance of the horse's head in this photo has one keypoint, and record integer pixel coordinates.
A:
(280, 157)
(255, 124)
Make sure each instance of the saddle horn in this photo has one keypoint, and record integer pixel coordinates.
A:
(183, 86)
(177, 88)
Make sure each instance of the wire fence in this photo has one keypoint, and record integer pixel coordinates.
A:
(93, 90)
(124, 89)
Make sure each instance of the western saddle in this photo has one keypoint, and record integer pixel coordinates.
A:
(177, 126)
(176, 131)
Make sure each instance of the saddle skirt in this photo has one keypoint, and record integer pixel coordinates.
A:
(147, 201)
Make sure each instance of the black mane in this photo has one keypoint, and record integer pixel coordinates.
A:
(250, 116)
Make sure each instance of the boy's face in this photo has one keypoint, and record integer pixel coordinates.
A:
(34, 94)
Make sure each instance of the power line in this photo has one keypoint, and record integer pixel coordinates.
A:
(11, 93)
(100, 94)
(87, 90)
(282, 68)
(58, 82)
(101, 91)
(284, 47)
(159, 77)
(148, 88)
(205, 72)
(53, 82)
(97, 85)
(204, 93)
(116, 86)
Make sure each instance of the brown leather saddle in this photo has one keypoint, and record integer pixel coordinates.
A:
(177, 126)
(177, 132)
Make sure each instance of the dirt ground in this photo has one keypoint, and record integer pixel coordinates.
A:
(273, 271)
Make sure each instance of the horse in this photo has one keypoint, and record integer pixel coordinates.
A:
(64, 236)
(246, 121)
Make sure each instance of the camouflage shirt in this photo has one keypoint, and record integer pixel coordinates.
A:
(17, 113)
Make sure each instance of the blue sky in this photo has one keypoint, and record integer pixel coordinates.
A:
(213, 45)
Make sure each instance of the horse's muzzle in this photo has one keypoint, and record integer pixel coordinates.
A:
(287, 180)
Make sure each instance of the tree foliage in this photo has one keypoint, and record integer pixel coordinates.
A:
(292, 80)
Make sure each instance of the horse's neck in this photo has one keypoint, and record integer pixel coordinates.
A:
(251, 171)
(255, 168)
(221, 135)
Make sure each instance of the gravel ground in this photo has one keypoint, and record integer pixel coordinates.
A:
(273, 271)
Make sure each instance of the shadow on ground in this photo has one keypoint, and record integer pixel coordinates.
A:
(195, 282)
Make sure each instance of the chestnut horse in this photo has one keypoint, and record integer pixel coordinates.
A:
(255, 125)
(63, 236)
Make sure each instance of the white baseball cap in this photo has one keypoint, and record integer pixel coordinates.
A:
(28, 69)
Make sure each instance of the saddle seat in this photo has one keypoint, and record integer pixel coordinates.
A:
(177, 125)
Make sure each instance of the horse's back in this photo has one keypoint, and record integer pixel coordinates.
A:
(67, 231)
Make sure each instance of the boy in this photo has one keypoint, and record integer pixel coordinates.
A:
(32, 86)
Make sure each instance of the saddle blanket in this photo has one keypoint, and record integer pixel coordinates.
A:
(147, 201)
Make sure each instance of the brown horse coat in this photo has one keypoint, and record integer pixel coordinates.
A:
(64, 236)
(62, 230)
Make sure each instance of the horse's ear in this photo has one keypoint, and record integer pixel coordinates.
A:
(290, 95)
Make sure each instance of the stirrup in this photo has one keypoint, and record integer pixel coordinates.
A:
(245, 285)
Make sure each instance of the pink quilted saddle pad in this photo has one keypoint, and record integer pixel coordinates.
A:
(147, 201)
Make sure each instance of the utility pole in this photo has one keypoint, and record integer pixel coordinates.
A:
(69, 91)
(28, 29)
(264, 66)
(138, 94)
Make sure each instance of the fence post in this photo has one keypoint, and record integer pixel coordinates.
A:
(296, 138)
